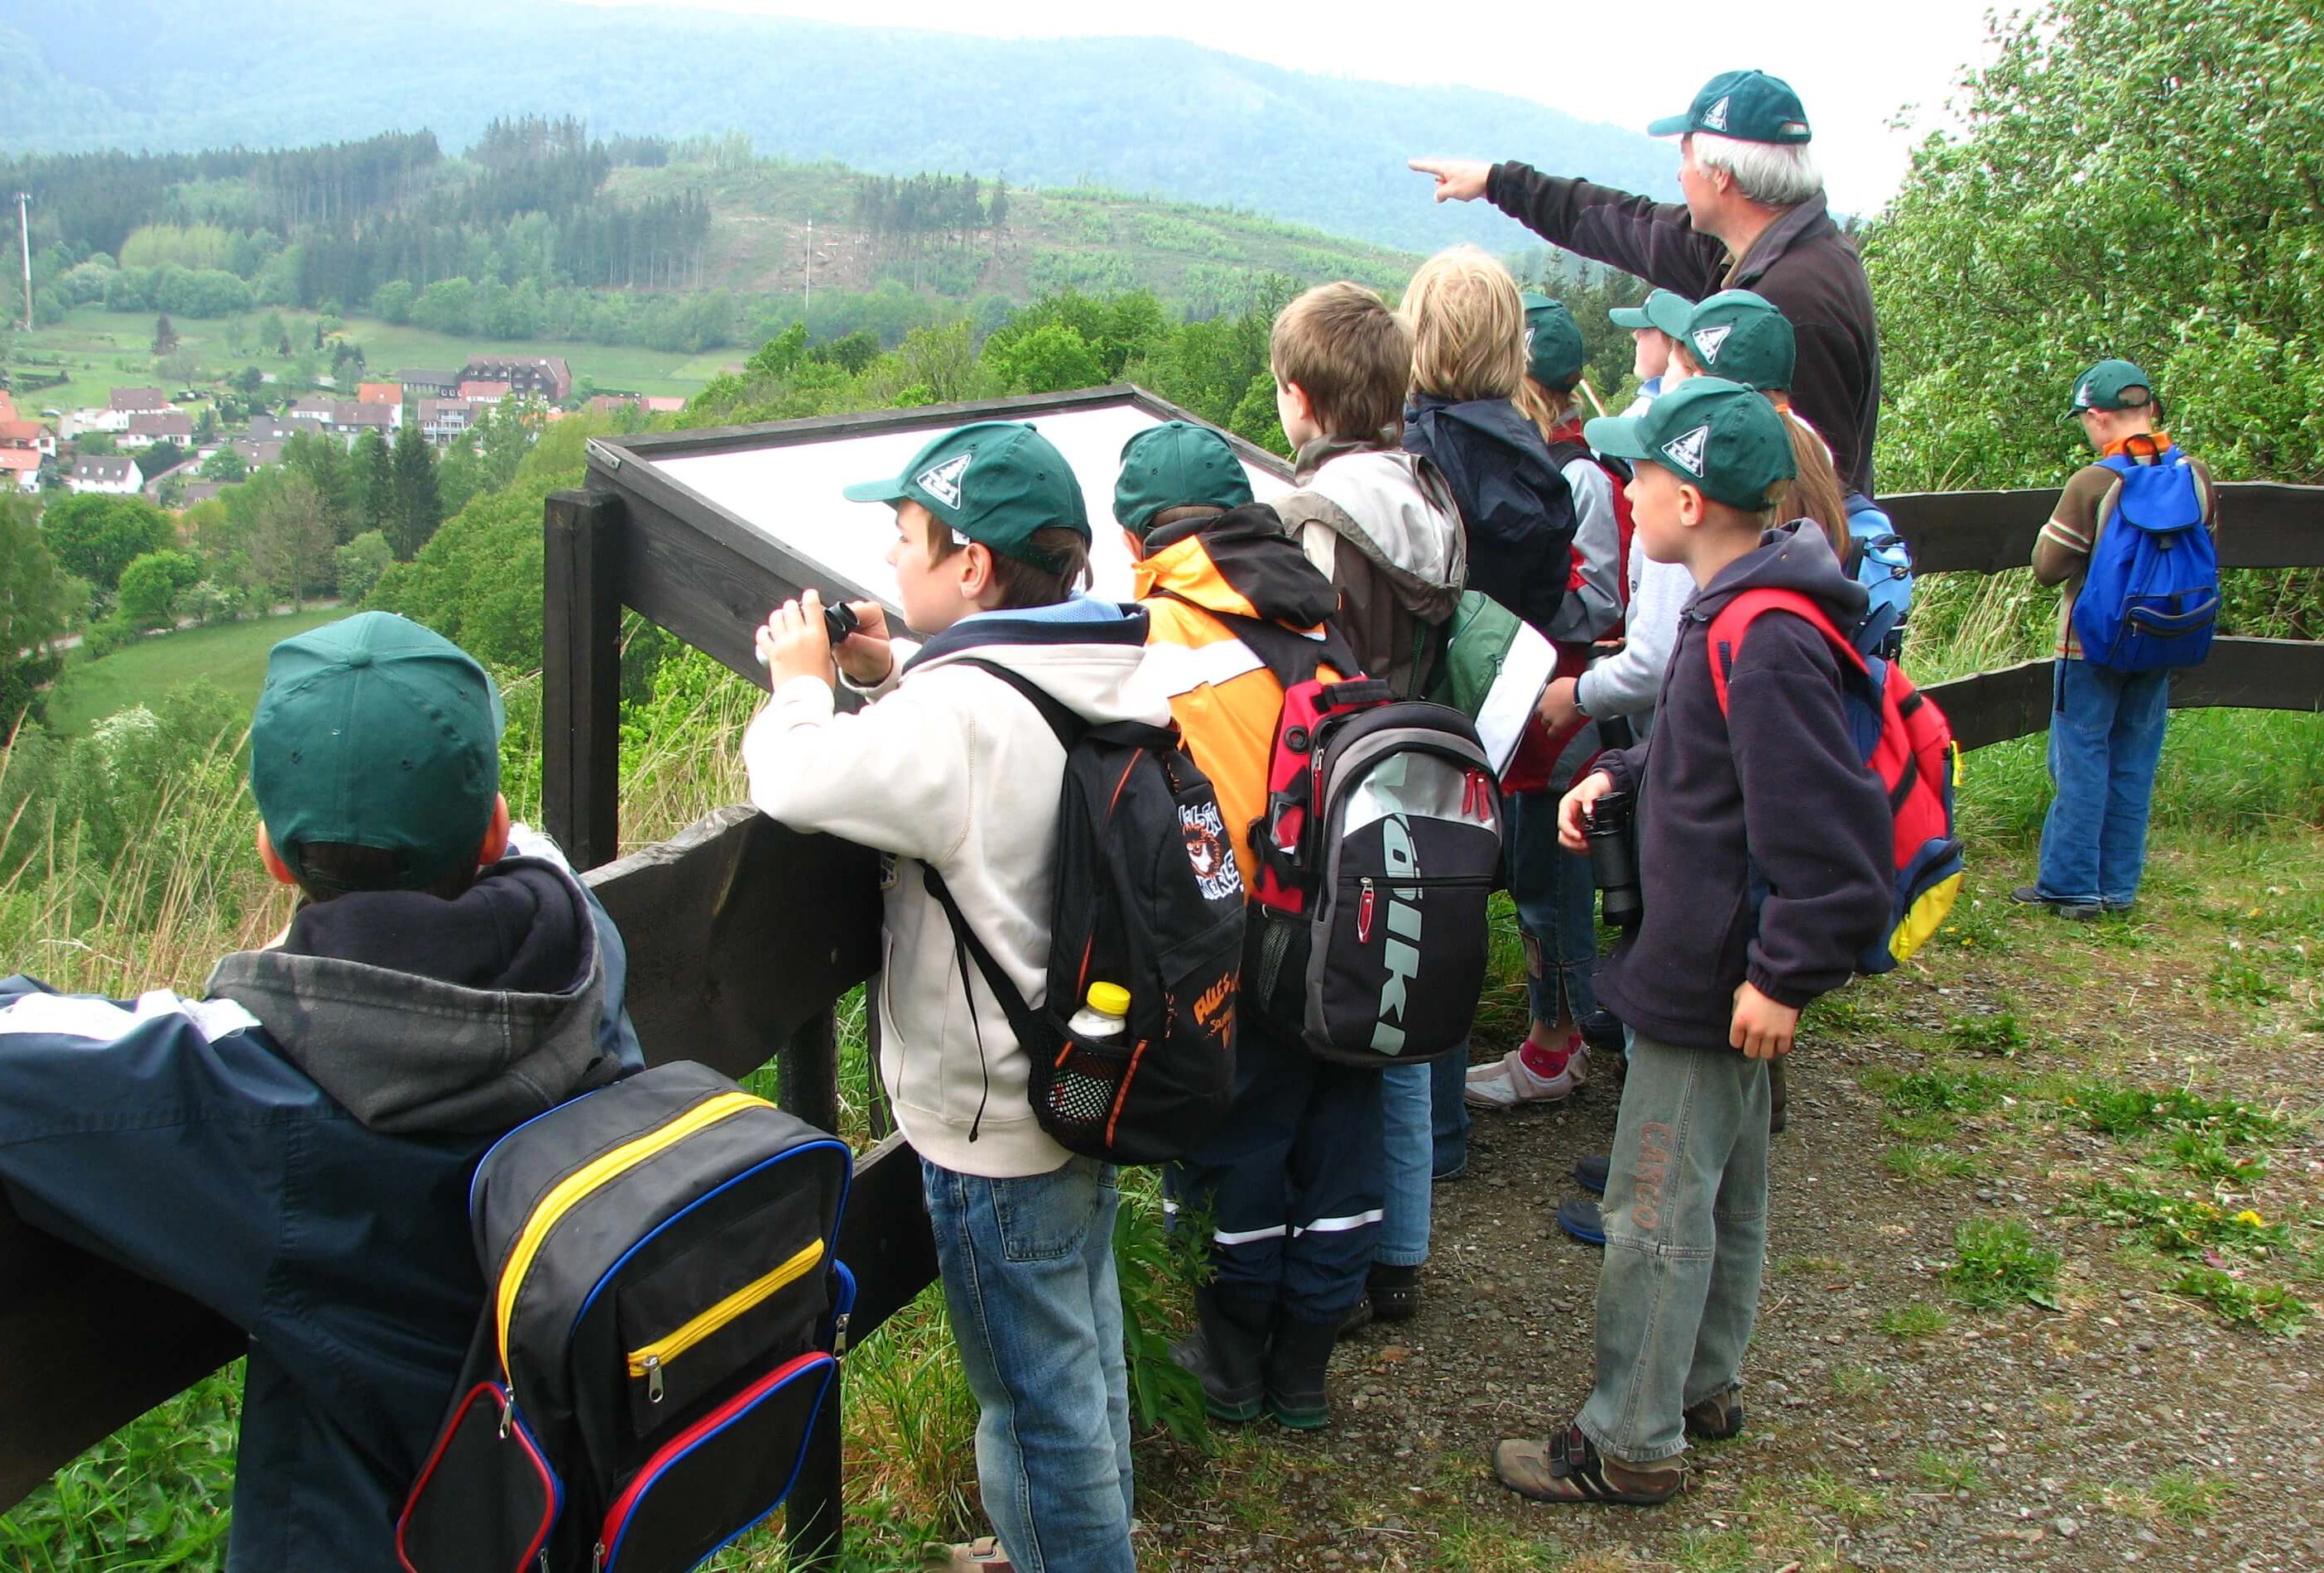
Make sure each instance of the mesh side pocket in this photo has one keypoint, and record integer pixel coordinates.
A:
(1082, 1087)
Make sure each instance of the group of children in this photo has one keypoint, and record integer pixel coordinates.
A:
(317, 1110)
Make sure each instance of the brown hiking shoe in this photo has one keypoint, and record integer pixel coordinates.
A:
(1568, 1467)
(1717, 1418)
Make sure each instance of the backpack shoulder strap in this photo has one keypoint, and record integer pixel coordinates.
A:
(1022, 1021)
(1565, 451)
(1734, 620)
(1062, 721)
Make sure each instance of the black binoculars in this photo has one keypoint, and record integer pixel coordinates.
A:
(1611, 823)
(839, 620)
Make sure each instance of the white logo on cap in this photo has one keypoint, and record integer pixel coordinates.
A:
(1528, 343)
(1709, 339)
(941, 481)
(1715, 118)
(1686, 452)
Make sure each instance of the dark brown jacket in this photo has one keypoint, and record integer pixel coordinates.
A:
(1804, 266)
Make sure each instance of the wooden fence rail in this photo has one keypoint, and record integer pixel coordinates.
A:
(742, 934)
(2263, 525)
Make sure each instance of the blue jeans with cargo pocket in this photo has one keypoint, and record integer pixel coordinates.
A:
(1028, 1277)
(1686, 1237)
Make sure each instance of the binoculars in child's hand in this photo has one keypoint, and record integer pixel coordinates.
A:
(1614, 857)
(839, 620)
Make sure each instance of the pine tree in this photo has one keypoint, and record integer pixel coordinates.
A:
(375, 479)
(165, 335)
(418, 508)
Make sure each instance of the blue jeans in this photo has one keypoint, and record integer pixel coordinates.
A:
(1408, 1146)
(1028, 1276)
(1449, 1115)
(2106, 738)
(1686, 1237)
(1557, 909)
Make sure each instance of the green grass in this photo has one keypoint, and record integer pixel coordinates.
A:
(1996, 1264)
(232, 655)
(102, 350)
(1949, 1471)
(1916, 1320)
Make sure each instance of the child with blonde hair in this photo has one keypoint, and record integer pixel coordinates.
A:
(1517, 511)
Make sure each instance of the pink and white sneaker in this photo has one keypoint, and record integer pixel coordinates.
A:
(1510, 1081)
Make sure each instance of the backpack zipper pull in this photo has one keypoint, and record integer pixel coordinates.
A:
(508, 1414)
(839, 1334)
(597, 1557)
(653, 1379)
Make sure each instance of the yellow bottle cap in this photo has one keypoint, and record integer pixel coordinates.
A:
(1111, 998)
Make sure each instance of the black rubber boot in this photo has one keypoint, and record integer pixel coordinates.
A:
(1296, 1366)
(1227, 1351)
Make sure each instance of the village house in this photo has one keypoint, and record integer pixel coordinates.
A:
(20, 469)
(442, 419)
(427, 385)
(315, 407)
(268, 429)
(483, 392)
(117, 475)
(256, 453)
(35, 435)
(614, 403)
(543, 377)
(170, 426)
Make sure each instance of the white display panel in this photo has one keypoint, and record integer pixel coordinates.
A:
(792, 493)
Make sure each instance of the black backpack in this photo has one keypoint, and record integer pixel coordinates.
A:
(1148, 897)
(663, 1307)
(1380, 848)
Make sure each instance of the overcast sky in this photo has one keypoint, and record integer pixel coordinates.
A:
(1856, 64)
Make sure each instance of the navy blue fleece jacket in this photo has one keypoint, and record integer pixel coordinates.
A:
(1775, 787)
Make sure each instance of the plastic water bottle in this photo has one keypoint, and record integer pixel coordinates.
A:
(1076, 1097)
(1101, 1018)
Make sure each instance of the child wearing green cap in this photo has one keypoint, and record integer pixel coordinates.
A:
(1765, 793)
(291, 1147)
(2107, 727)
(1237, 612)
(951, 768)
(1740, 336)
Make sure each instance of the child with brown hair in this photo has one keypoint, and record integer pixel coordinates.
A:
(1292, 1181)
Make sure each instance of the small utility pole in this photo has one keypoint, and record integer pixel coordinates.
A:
(24, 234)
(808, 308)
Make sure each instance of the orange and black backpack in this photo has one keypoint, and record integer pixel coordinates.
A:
(1903, 738)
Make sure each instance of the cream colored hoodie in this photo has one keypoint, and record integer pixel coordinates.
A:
(949, 765)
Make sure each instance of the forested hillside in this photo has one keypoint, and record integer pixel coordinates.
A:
(1144, 116)
(540, 230)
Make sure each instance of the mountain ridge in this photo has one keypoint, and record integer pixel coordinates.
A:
(1163, 117)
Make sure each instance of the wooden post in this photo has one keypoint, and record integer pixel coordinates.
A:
(811, 1521)
(581, 675)
(807, 1075)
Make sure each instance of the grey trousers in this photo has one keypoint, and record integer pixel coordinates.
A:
(1686, 1235)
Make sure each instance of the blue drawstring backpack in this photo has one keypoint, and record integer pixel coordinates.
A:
(1879, 559)
(2151, 597)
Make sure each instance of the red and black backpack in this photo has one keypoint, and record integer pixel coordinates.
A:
(1903, 738)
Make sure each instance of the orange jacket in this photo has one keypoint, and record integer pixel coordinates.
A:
(1196, 578)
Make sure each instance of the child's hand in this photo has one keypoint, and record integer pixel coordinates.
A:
(865, 655)
(794, 643)
(1572, 808)
(1762, 1028)
(1558, 709)
(1457, 179)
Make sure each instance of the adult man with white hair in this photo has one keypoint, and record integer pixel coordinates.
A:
(1754, 218)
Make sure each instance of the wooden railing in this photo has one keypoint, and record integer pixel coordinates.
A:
(2262, 525)
(742, 934)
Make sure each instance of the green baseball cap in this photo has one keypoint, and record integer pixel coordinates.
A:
(1747, 106)
(1740, 336)
(1718, 436)
(1665, 309)
(373, 731)
(2113, 384)
(995, 482)
(1177, 464)
(1554, 353)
